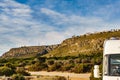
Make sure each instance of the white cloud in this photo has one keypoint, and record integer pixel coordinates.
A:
(55, 16)
(109, 12)
(13, 8)
(79, 24)
(50, 12)
(18, 27)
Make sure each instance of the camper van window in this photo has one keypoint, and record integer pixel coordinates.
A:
(115, 65)
(106, 65)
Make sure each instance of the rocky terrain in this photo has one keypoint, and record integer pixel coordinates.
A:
(89, 43)
(28, 51)
(84, 44)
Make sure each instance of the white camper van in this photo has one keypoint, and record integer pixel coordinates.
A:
(111, 60)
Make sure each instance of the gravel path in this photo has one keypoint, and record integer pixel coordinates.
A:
(72, 76)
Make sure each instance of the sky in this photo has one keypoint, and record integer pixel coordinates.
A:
(46, 22)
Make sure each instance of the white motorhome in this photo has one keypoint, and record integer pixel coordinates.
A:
(111, 60)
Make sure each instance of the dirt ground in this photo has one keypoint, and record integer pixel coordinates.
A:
(69, 76)
(79, 79)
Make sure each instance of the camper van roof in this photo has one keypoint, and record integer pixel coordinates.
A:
(114, 38)
(112, 46)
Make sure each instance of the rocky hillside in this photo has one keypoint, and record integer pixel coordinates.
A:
(84, 44)
(28, 51)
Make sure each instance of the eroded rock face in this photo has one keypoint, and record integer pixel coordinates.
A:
(28, 51)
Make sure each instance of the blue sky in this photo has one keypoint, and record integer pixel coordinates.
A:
(46, 22)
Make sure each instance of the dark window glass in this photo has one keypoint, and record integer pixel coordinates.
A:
(114, 65)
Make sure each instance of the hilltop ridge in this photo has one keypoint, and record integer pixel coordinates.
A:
(84, 44)
(29, 51)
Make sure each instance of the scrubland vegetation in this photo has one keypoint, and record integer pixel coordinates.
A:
(21, 66)
(77, 54)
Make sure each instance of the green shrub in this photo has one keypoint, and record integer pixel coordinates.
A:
(3, 60)
(22, 71)
(67, 67)
(41, 59)
(50, 62)
(6, 71)
(18, 77)
(78, 68)
(10, 65)
(82, 68)
(38, 66)
(60, 78)
(55, 67)
(87, 67)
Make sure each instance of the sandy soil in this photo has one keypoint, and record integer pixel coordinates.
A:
(71, 76)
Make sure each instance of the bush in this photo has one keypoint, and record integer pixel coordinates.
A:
(78, 68)
(50, 62)
(41, 59)
(37, 67)
(10, 65)
(82, 68)
(55, 67)
(3, 60)
(6, 71)
(67, 67)
(60, 78)
(18, 77)
(22, 71)
(87, 67)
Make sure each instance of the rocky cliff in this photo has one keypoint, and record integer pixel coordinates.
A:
(28, 51)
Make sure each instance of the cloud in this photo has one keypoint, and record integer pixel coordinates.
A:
(13, 8)
(109, 12)
(20, 28)
(17, 25)
(75, 24)
(55, 16)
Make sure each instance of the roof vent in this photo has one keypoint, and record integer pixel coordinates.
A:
(114, 38)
